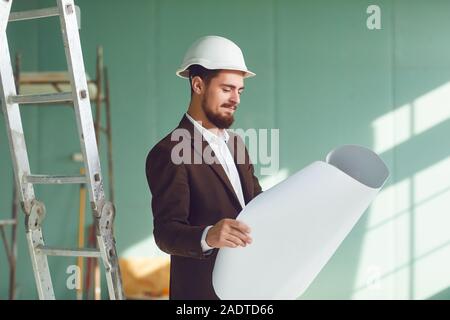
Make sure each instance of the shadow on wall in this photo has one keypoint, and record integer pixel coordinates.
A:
(406, 245)
(442, 295)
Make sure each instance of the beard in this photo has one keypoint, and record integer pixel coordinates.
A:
(219, 120)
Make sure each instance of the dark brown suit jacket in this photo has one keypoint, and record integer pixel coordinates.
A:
(186, 198)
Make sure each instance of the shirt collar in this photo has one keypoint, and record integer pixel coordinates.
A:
(208, 135)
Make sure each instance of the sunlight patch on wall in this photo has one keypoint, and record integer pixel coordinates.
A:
(401, 124)
(432, 273)
(431, 108)
(391, 201)
(392, 129)
(384, 268)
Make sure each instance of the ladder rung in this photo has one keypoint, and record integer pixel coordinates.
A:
(42, 98)
(33, 14)
(62, 252)
(47, 179)
(7, 222)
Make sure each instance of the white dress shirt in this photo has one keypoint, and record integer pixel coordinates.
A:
(218, 144)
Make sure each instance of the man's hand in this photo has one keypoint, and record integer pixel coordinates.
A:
(228, 233)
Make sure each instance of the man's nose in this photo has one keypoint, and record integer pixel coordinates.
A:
(235, 97)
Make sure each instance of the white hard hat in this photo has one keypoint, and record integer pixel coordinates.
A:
(214, 52)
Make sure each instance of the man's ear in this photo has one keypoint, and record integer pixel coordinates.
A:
(197, 85)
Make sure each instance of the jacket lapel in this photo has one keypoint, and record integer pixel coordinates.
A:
(241, 164)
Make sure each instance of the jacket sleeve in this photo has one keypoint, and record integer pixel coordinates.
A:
(169, 185)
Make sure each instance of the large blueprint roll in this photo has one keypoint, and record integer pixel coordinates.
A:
(297, 226)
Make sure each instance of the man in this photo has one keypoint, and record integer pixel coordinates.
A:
(195, 203)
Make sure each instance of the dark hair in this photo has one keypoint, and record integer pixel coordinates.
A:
(205, 74)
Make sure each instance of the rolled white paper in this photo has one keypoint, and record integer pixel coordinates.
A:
(297, 225)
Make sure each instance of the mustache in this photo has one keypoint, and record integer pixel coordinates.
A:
(227, 105)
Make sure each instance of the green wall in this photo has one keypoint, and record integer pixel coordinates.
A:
(323, 79)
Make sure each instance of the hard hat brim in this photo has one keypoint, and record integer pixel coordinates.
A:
(184, 72)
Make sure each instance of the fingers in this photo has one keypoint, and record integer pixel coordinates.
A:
(241, 226)
(229, 244)
(234, 233)
(241, 230)
(241, 235)
(235, 241)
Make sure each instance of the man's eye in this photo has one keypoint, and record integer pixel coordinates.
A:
(226, 90)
